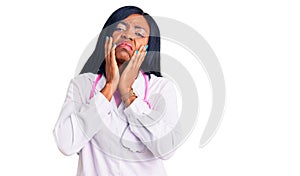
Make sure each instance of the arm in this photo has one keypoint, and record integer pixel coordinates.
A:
(78, 122)
(157, 128)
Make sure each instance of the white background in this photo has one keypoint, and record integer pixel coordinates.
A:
(257, 43)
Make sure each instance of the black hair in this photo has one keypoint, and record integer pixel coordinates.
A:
(150, 65)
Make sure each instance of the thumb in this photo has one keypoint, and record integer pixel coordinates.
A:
(124, 66)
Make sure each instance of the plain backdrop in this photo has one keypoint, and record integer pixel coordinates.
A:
(256, 42)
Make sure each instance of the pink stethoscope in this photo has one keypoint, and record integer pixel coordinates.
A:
(127, 126)
(146, 89)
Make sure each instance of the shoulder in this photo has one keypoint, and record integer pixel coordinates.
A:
(83, 81)
(84, 78)
(163, 87)
(161, 83)
(81, 85)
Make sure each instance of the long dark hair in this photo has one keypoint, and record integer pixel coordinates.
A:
(151, 64)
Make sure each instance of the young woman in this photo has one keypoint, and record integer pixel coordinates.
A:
(121, 118)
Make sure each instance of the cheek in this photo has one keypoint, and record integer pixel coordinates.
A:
(116, 36)
(140, 42)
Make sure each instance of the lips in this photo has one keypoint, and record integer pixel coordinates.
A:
(125, 45)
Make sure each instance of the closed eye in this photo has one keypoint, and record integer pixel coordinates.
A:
(119, 29)
(121, 26)
(140, 35)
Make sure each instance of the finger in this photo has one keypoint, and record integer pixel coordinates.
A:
(142, 48)
(133, 58)
(109, 46)
(142, 52)
(138, 55)
(113, 54)
(141, 59)
(105, 46)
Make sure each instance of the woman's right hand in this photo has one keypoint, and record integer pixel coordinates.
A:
(111, 69)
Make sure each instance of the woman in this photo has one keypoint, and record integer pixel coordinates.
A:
(122, 120)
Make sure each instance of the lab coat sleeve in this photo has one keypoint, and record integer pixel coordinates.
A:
(157, 127)
(78, 122)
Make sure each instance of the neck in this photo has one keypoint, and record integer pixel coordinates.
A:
(122, 66)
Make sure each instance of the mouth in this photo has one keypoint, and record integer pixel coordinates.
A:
(125, 45)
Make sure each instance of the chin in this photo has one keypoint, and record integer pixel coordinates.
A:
(123, 55)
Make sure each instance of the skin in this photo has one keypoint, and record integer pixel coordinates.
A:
(134, 31)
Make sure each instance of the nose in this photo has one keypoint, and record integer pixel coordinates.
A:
(127, 35)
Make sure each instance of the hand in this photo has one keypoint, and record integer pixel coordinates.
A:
(111, 69)
(131, 71)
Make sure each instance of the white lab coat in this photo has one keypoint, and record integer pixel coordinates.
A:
(93, 128)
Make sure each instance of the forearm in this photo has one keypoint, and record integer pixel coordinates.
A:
(79, 121)
(129, 97)
(157, 127)
(108, 91)
(158, 130)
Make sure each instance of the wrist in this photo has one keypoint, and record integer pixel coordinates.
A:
(130, 100)
(124, 90)
(108, 91)
(128, 97)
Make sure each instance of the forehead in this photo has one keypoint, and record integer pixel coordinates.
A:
(137, 20)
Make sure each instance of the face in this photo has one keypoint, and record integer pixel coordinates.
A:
(129, 35)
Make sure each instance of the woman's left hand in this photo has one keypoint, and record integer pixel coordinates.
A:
(131, 71)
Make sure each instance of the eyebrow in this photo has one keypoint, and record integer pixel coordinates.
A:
(136, 27)
(139, 27)
(124, 23)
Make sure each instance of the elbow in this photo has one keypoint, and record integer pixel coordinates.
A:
(169, 145)
(166, 153)
(64, 146)
(163, 150)
(66, 151)
(162, 155)
(167, 156)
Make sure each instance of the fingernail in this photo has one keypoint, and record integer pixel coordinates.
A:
(146, 47)
(114, 45)
(136, 51)
(106, 38)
